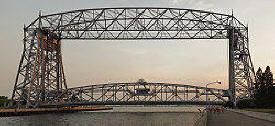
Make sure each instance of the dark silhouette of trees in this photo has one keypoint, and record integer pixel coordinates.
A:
(3, 97)
(246, 103)
(264, 92)
(3, 101)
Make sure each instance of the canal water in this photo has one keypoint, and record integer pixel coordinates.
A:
(119, 116)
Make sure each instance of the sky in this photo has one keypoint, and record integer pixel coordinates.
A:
(194, 62)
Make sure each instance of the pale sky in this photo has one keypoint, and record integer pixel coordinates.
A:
(194, 62)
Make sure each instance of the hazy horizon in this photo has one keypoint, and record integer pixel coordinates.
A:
(191, 62)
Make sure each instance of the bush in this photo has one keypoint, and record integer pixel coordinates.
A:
(228, 104)
(246, 103)
(3, 101)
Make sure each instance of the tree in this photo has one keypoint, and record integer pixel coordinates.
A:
(228, 104)
(3, 101)
(268, 81)
(273, 96)
(3, 97)
(264, 90)
(258, 92)
(245, 103)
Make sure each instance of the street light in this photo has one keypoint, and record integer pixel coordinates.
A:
(216, 82)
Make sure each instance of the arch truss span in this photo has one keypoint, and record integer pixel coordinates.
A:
(141, 94)
(40, 77)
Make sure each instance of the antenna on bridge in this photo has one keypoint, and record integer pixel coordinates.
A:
(40, 13)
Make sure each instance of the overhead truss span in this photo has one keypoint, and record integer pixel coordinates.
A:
(139, 23)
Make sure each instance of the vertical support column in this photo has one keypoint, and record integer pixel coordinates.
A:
(23, 92)
(155, 95)
(176, 93)
(115, 91)
(102, 93)
(92, 94)
(58, 67)
(231, 71)
(42, 63)
(161, 92)
(166, 95)
(187, 91)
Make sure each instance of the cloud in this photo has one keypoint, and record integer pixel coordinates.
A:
(174, 2)
(195, 4)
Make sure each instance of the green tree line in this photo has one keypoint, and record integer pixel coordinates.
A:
(4, 101)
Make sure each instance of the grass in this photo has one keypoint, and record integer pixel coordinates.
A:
(270, 111)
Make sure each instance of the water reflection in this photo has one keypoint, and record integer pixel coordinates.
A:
(104, 119)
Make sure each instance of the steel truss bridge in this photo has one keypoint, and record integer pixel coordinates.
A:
(139, 93)
(41, 81)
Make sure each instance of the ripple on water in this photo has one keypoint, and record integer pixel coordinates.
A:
(104, 119)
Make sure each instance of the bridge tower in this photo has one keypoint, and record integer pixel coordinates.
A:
(40, 77)
(241, 70)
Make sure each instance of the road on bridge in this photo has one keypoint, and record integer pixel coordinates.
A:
(229, 118)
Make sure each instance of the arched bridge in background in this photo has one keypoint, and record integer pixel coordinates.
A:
(140, 93)
(41, 80)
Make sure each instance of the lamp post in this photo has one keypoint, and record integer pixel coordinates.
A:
(216, 82)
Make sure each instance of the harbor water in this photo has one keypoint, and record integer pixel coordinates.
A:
(119, 116)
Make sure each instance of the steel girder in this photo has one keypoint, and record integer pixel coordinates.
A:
(139, 23)
(40, 76)
(140, 93)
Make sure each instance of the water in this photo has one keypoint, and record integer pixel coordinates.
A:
(120, 116)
